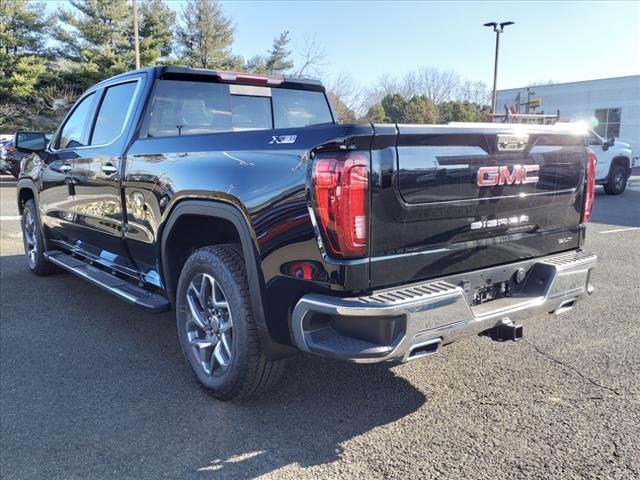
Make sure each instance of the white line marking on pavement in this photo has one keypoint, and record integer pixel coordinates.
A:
(620, 230)
(4, 218)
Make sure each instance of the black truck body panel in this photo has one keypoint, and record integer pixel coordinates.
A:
(425, 197)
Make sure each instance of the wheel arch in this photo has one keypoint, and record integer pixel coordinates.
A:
(218, 211)
(25, 191)
(623, 161)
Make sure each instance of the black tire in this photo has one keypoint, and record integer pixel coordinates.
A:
(33, 240)
(617, 181)
(248, 371)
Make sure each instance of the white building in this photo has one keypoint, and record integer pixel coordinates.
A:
(614, 102)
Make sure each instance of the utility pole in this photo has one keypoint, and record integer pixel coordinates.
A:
(498, 28)
(136, 42)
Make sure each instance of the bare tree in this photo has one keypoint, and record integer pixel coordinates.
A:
(386, 84)
(352, 97)
(474, 92)
(409, 87)
(311, 58)
(437, 85)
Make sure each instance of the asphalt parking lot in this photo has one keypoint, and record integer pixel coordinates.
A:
(93, 388)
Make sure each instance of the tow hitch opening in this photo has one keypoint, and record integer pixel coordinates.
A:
(506, 332)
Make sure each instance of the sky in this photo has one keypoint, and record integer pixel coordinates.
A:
(561, 41)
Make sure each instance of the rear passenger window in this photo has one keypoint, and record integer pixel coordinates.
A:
(113, 113)
(250, 113)
(188, 108)
(299, 108)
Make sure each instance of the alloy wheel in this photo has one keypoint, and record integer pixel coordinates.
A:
(618, 180)
(30, 241)
(209, 325)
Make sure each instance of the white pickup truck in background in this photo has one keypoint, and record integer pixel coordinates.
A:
(614, 162)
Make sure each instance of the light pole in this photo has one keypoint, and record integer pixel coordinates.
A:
(136, 43)
(498, 28)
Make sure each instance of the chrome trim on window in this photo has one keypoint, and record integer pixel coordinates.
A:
(104, 89)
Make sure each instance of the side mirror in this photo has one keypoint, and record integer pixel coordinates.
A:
(611, 141)
(29, 142)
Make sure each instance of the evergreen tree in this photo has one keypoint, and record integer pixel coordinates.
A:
(205, 36)
(256, 64)
(456, 111)
(394, 106)
(376, 114)
(279, 61)
(25, 26)
(156, 21)
(420, 110)
(24, 30)
(97, 37)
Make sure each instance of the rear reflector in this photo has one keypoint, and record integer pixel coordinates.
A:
(340, 198)
(303, 270)
(589, 188)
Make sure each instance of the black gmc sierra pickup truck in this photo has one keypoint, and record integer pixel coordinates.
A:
(240, 202)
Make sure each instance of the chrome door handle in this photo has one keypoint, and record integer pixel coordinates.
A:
(109, 169)
(65, 168)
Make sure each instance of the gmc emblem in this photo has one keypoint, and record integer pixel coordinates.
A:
(491, 176)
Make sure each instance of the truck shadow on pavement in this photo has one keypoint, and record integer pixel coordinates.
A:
(101, 390)
(609, 210)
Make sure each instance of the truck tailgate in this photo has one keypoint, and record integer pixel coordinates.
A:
(454, 198)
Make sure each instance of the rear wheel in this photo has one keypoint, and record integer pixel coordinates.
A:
(217, 332)
(617, 181)
(34, 241)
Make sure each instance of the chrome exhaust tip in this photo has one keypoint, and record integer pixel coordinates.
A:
(424, 349)
(565, 307)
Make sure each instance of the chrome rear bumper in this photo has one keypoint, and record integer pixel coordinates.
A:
(413, 321)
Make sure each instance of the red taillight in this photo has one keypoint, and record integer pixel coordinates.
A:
(11, 149)
(340, 197)
(590, 188)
